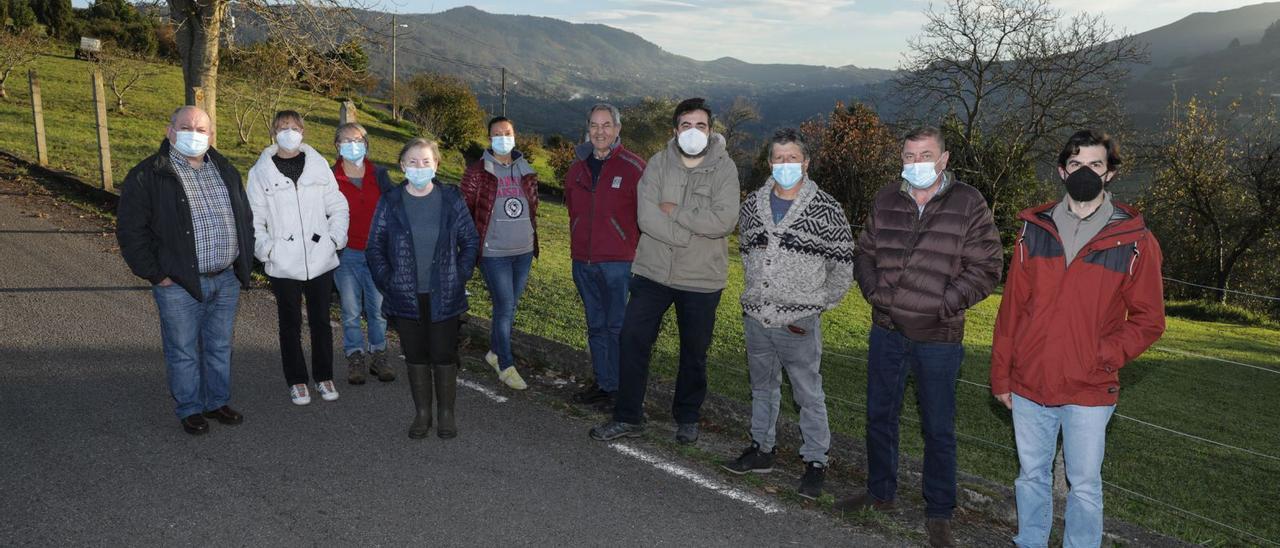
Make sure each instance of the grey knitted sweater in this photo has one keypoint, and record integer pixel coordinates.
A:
(800, 266)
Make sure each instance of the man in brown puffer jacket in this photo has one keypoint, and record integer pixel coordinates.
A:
(929, 250)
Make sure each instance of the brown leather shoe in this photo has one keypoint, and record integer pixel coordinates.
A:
(939, 533)
(225, 415)
(195, 424)
(862, 501)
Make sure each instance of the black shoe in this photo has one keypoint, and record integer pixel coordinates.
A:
(225, 415)
(612, 430)
(811, 482)
(753, 460)
(591, 395)
(195, 424)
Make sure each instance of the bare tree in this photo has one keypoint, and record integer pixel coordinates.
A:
(1015, 76)
(122, 71)
(16, 50)
(739, 142)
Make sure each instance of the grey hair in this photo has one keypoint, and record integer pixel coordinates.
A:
(786, 136)
(419, 142)
(364, 134)
(173, 118)
(613, 112)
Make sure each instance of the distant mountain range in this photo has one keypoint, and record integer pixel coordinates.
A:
(555, 68)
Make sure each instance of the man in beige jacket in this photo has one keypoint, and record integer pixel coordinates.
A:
(688, 206)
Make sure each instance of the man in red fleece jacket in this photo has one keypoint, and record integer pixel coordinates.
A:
(1083, 297)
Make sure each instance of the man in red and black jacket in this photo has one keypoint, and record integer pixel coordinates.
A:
(600, 192)
(1084, 296)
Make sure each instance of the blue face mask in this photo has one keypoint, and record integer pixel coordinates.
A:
(502, 144)
(419, 176)
(352, 152)
(787, 175)
(920, 175)
(191, 144)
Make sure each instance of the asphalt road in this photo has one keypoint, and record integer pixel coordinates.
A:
(92, 454)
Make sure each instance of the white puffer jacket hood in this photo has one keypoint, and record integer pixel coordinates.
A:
(297, 228)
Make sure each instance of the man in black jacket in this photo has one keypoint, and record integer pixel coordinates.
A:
(184, 225)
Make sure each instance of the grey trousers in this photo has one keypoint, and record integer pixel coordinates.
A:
(769, 350)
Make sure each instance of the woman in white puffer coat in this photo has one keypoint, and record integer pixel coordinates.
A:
(299, 222)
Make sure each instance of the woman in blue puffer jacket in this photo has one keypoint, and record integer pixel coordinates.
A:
(421, 251)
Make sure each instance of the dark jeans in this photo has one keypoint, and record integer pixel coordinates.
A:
(695, 317)
(424, 341)
(319, 294)
(935, 367)
(603, 288)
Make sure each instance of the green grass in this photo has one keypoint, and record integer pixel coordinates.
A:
(1228, 403)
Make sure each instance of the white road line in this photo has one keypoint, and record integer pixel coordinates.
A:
(483, 390)
(698, 479)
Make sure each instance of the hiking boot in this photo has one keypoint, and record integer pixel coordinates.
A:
(687, 433)
(753, 460)
(592, 395)
(815, 474)
(613, 430)
(939, 530)
(356, 367)
(862, 501)
(378, 366)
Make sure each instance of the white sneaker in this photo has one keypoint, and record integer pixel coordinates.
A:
(327, 391)
(493, 361)
(512, 378)
(299, 394)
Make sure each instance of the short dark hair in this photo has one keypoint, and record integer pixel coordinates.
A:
(1090, 138)
(786, 136)
(498, 120)
(287, 115)
(689, 105)
(927, 132)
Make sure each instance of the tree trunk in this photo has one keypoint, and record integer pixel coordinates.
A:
(199, 23)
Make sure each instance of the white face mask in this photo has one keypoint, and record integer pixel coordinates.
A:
(289, 139)
(920, 175)
(191, 144)
(502, 144)
(692, 141)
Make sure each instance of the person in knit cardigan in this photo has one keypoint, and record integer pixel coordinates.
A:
(797, 259)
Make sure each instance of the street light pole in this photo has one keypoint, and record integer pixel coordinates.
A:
(395, 111)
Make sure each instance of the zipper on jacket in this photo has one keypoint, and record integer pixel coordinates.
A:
(306, 263)
(592, 221)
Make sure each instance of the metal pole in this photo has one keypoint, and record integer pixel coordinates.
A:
(504, 91)
(395, 111)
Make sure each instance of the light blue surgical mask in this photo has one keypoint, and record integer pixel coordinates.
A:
(191, 144)
(419, 177)
(502, 144)
(920, 175)
(787, 175)
(352, 152)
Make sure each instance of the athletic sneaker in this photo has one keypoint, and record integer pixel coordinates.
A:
(327, 391)
(687, 433)
(613, 430)
(811, 482)
(299, 394)
(753, 460)
(512, 378)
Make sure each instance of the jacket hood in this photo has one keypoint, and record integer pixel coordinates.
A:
(518, 162)
(314, 161)
(716, 153)
(1126, 220)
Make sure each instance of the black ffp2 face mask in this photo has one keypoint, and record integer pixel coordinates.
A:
(1083, 185)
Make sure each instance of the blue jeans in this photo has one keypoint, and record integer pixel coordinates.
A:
(506, 278)
(358, 294)
(1084, 441)
(935, 366)
(696, 319)
(197, 340)
(603, 288)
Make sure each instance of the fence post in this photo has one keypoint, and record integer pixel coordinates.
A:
(104, 145)
(37, 112)
(347, 113)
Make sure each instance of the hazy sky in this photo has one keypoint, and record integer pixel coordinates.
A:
(867, 33)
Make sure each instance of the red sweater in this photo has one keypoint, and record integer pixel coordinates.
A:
(1064, 331)
(602, 216)
(363, 200)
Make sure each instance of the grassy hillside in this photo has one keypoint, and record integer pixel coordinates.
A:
(1186, 384)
